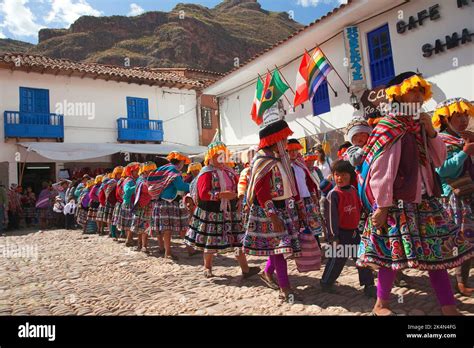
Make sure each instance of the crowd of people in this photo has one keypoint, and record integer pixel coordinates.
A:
(400, 192)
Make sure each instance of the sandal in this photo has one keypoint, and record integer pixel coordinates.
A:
(392, 314)
(465, 294)
(252, 271)
(208, 273)
(172, 257)
(289, 298)
(271, 283)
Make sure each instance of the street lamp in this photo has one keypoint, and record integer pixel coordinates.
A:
(355, 102)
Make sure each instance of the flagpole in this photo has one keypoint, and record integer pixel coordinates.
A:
(344, 82)
(284, 93)
(284, 79)
(330, 86)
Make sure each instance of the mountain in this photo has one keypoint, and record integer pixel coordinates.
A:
(191, 36)
(9, 45)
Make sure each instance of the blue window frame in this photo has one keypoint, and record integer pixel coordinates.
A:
(137, 108)
(380, 55)
(321, 103)
(34, 100)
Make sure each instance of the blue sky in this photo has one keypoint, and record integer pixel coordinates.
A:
(21, 19)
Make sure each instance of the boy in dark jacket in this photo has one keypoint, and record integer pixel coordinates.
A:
(344, 214)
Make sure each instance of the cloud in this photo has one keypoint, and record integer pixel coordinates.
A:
(67, 11)
(314, 3)
(135, 10)
(2, 36)
(18, 18)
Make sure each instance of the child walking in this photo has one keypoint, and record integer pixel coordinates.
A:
(344, 215)
(69, 212)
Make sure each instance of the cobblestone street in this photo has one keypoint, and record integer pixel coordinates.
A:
(67, 273)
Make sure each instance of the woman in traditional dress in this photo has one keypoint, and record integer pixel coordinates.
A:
(94, 202)
(308, 190)
(43, 204)
(83, 205)
(272, 228)
(141, 220)
(167, 188)
(457, 173)
(129, 186)
(109, 192)
(216, 226)
(118, 205)
(407, 227)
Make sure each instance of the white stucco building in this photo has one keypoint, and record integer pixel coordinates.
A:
(69, 110)
(384, 51)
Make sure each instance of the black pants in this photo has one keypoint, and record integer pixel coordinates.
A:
(69, 221)
(13, 221)
(462, 272)
(338, 259)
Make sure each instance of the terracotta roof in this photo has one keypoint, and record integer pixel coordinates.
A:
(47, 65)
(206, 72)
(291, 36)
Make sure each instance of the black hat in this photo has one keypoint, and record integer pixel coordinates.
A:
(274, 133)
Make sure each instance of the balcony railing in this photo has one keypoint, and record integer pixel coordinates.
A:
(130, 129)
(33, 125)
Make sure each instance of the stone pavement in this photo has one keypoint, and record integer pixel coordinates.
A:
(61, 272)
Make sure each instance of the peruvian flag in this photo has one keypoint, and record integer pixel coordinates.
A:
(302, 94)
(258, 98)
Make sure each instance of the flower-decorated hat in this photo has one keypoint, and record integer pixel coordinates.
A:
(131, 167)
(404, 82)
(194, 166)
(146, 167)
(217, 147)
(98, 179)
(117, 171)
(175, 155)
(450, 106)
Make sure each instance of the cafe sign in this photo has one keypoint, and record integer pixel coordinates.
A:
(374, 101)
(355, 64)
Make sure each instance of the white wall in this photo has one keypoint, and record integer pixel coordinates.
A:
(109, 99)
(448, 80)
(176, 108)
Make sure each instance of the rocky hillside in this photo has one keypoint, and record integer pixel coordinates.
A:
(190, 35)
(9, 45)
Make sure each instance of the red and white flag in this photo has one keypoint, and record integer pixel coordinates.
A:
(302, 77)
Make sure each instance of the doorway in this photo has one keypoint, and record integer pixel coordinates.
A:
(35, 173)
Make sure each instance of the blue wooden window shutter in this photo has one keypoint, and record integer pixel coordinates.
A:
(34, 100)
(321, 103)
(380, 55)
(137, 108)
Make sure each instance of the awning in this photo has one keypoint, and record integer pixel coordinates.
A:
(84, 151)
